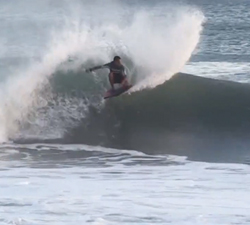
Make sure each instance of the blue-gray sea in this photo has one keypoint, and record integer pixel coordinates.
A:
(173, 150)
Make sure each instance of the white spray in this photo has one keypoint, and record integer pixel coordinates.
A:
(159, 47)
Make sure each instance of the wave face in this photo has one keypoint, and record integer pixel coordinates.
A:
(187, 115)
(186, 112)
(50, 95)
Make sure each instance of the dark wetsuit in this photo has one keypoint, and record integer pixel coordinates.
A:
(117, 70)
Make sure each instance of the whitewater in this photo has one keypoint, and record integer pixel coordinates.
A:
(173, 150)
(160, 53)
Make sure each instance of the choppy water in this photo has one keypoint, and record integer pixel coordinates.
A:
(69, 185)
(170, 172)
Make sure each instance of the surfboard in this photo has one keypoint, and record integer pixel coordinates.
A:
(116, 92)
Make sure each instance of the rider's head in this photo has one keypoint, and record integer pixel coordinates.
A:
(117, 59)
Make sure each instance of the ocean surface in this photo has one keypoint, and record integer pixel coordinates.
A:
(173, 150)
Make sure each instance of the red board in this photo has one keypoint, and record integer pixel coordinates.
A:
(115, 92)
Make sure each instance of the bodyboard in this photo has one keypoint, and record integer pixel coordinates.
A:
(115, 92)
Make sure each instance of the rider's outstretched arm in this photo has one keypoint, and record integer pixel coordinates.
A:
(98, 67)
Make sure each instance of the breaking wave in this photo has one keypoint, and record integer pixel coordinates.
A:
(53, 94)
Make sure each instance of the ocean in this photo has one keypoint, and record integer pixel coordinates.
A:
(173, 150)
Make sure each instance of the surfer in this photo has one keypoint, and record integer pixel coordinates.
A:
(117, 72)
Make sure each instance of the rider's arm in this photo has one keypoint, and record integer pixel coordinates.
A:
(98, 67)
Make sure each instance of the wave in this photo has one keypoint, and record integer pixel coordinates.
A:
(184, 101)
(186, 113)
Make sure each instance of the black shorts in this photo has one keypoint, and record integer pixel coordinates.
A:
(118, 78)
